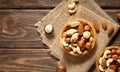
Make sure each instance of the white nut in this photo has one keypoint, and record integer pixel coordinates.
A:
(109, 70)
(75, 1)
(64, 42)
(100, 60)
(48, 28)
(72, 53)
(109, 61)
(106, 53)
(91, 39)
(74, 23)
(73, 48)
(86, 34)
(70, 32)
(101, 68)
(74, 37)
(71, 5)
(72, 11)
(118, 60)
(78, 50)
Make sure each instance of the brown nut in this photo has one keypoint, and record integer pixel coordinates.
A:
(60, 67)
(67, 40)
(110, 31)
(109, 56)
(113, 51)
(104, 63)
(104, 24)
(87, 27)
(119, 69)
(118, 51)
(81, 43)
(88, 45)
(113, 67)
(115, 57)
(68, 48)
(96, 25)
(80, 29)
(118, 16)
(83, 39)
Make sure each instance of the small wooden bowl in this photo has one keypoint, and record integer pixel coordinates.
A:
(92, 31)
(101, 54)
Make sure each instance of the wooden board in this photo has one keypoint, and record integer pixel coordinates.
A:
(10, 47)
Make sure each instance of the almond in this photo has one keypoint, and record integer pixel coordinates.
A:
(113, 51)
(81, 43)
(96, 25)
(104, 24)
(80, 29)
(104, 63)
(68, 48)
(110, 31)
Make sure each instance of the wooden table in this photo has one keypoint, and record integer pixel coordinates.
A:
(21, 48)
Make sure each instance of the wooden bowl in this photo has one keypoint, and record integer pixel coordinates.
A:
(85, 44)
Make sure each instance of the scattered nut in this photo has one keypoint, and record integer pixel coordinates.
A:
(80, 29)
(110, 31)
(118, 16)
(96, 25)
(68, 48)
(71, 5)
(70, 32)
(48, 29)
(88, 45)
(104, 63)
(60, 67)
(74, 23)
(118, 60)
(74, 37)
(104, 24)
(115, 57)
(87, 27)
(86, 34)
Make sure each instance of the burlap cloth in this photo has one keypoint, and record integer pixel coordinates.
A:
(87, 9)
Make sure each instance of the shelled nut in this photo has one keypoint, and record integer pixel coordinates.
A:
(71, 5)
(96, 25)
(110, 31)
(48, 29)
(104, 24)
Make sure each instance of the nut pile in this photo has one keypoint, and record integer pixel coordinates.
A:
(110, 60)
(78, 37)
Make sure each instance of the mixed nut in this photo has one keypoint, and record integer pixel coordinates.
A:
(109, 60)
(78, 37)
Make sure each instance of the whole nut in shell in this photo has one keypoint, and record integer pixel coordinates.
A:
(86, 34)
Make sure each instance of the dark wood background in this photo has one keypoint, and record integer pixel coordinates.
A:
(24, 51)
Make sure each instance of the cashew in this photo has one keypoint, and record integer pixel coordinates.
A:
(74, 37)
(100, 60)
(71, 32)
(71, 5)
(109, 61)
(72, 11)
(86, 34)
(64, 43)
(72, 53)
(101, 68)
(105, 53)
(109, 70)
(74, 23)
(78, 50)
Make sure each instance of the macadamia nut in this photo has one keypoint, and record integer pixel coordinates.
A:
(86, 34)
(48, 28)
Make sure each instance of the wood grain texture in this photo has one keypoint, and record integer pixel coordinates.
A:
(45, 4)
(22, 60)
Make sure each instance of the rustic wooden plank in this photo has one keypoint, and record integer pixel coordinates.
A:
(27, 35)
(22, 60)
(17, 28)
(42, 4)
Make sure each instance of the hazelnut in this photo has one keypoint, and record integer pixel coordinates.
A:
(88, 45)
(67, 40)
(109, 56)
(87, 27)
(113, 67)
(60, 67)
(68, 48)
(81, 43)
(113, 51)
(115, 57)
(86, 34)
(48, 29)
